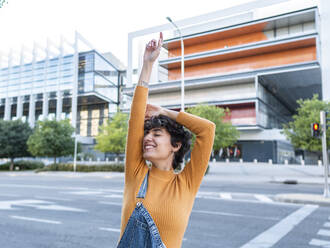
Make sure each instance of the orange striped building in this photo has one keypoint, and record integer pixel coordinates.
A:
(256, 67)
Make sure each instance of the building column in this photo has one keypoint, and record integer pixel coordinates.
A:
(59, 105)
(325, 48)
(7, 116)
(45, 106)
(19, 108)
(32, 110)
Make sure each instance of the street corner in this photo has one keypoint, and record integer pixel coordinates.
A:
(303, 199)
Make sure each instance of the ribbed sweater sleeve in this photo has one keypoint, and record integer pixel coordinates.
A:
(204, 130)
(134, 159)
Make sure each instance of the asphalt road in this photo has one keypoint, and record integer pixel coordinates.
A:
(71, 211)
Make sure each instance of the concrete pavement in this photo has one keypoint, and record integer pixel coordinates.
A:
(290, 174)
(242, 172)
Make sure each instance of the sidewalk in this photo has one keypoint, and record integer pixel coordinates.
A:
(290, 174)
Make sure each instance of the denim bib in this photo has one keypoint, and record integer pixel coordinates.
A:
(141, 231)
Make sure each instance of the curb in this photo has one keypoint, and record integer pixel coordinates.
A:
(303, 199)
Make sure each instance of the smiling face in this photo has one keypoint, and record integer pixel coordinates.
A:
(157, 146)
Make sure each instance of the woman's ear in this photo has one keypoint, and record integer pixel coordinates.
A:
(178, 146)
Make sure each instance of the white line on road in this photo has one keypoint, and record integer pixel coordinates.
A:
(110, 203)
(113, 196)
(322, 243)
(35, 219)
(263, 198)
(326, 224)
(225, 196)
(271, 236)
(51, 198)
(324, 232)
(234, 215)
(109, 229)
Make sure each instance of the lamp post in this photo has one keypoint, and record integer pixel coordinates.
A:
(182, 62)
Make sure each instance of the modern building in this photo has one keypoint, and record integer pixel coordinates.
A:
(256, 59)
(82, 86)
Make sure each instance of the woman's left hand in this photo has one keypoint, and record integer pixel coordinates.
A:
(153, 110)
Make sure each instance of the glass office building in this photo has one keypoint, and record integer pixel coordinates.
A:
(45, 88)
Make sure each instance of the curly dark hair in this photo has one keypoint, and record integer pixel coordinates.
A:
(177, 132)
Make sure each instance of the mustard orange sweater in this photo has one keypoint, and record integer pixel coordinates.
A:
(170, 197)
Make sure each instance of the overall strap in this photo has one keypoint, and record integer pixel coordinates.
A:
(143, 187)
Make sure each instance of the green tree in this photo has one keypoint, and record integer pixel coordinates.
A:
(112, 135)
(52, 138)
(13, 138)
(225, 133)
(299, 130)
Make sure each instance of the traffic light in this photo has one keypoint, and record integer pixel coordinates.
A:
(316, 129)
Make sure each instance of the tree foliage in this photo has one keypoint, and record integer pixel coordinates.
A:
(299, 130)
(13, 138)
(52, 138)
(112, 135)
(225, 133)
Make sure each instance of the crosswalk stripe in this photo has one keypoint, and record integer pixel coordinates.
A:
(319, 242)
(271, 236)
(35, 219)
(324, 232)
(225, 196)
(109, 229)
(263, 198)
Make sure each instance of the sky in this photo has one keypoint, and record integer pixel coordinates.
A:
(104, 23)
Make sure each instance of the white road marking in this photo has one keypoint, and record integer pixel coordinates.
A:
(38, 204)
(113, 196)
(263, 198)
(111, 203)
(51, 198)
(83, 193)
(234, 215)
(225, 196)
(322, 243)
(109, 229)
(326, 224)
(35, 219)
(271, 236)
(287, 204)
(324, 232)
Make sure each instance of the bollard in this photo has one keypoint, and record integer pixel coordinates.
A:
(302, 162)
(241, 160)
(227, 160)
(319, 162)
(16, 168)
(213, 160)
(107, 159)
(270, 161)
(90, 159)
(116, 159)
(286, 162)
(255, 161)
(98, 159)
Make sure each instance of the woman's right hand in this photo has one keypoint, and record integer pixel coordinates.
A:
(152, 50)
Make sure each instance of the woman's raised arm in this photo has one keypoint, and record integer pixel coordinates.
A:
(138, 109)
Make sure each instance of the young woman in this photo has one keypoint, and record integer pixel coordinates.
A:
(157, 202)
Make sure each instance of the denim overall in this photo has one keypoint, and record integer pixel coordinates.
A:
(141, 231)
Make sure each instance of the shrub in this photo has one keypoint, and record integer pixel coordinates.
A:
(23, 165)
(84, 168)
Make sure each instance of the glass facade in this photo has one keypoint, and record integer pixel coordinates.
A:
(271, 112)
(52, 80)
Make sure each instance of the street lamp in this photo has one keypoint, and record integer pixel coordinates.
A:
(182, 62)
